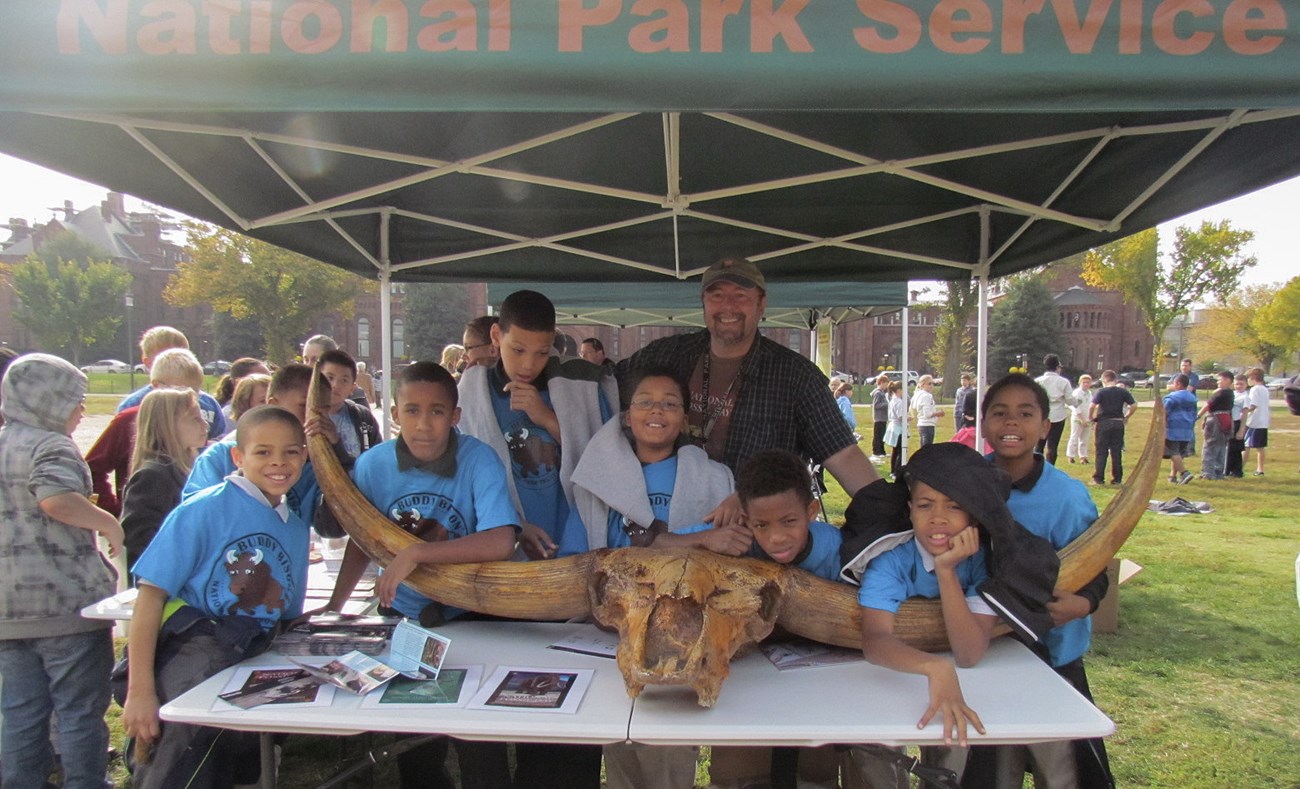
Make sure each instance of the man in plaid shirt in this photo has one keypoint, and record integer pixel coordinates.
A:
(749, 393)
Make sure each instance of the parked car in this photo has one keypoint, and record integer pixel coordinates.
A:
(1129, 379)
(1145, 383)
(140, 368)
(107, 366)
(1277, 384)
(896, 375)
(219, 367)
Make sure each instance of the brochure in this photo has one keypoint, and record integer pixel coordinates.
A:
(529, 689)
(589, 640)
(354, 671)
(452, 688)
(417, 652)
(337, 634)
(252, 686)
(801, 653)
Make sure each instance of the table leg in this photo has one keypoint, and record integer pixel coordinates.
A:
(266, 744)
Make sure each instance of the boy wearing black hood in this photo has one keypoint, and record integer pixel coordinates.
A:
(963, 548)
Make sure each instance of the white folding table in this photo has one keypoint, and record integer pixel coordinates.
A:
(1017, 696)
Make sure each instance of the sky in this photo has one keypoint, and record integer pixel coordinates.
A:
(33, 193)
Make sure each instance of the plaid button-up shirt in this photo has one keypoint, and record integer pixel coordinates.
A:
(784, 401)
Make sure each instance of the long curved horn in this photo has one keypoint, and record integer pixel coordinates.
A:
(828, 612)
(554, 589)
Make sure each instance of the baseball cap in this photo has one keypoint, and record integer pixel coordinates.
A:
(735, 270)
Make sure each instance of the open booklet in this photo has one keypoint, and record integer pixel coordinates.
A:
(416, 653)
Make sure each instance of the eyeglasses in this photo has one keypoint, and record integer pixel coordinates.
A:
(667, 406)
(480, 345)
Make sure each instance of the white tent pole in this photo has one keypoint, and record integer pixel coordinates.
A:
(907, 421)
(982, 329)
(385, 320)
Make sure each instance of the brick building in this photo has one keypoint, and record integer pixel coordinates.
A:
(138, 241)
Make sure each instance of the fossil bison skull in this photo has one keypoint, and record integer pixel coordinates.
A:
(681, 614)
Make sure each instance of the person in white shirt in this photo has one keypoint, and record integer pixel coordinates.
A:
(1060, 398)
(1080, 424)
(927, 415)
(1255, 416)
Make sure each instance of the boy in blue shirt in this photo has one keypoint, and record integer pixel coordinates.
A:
(1052, 505)
(941, 557)
(288, 390)
(538, 413)
(775, 493)
(1180, 420)
(450, 490)
(227, 565)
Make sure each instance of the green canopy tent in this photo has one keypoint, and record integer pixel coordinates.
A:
(602, 140)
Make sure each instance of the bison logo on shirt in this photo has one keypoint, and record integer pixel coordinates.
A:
(427, 529)
(533, 455)
(251, 582)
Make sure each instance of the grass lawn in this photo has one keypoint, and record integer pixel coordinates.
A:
(1201, 678)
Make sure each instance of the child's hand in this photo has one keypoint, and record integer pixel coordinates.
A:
(393, 575)
(1067, 607)
(946, 700)
(140, 717)
(537, 544)
(728, 513)
(961, 546)
(727, 540)
(115, 537)
(321, 425)
(525, 397)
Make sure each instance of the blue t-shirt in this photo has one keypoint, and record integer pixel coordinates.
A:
(434, 507)
(214, 464)
(901, 572)
(218, 426)
(1058, 509)
(1180, 415)
(822, 559)
(659, 477)
(224, 552)
(534, 462)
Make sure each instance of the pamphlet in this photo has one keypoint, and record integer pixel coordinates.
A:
(337, 634)
(452, 688)
(529, 689)
(252, 686)
(589, 640)
(354, 671)
(801, 653)
(416, 652)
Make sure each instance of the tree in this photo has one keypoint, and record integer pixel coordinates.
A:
(1279, 321)
(246, 278)
(1238, 325)
(1205, 261)
(1024, 323)
(436, 314)
(70, 294)
(953, 346)
(236, 337)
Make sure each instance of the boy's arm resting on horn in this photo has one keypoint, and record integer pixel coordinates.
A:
(492, 545)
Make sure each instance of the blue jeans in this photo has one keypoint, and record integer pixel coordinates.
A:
(67, 675)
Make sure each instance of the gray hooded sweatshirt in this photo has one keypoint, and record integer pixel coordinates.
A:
(51, 570)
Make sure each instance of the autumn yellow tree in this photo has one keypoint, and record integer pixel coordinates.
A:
(246, 278)
(1238, 326)
(1205, 261)
(1279, 321)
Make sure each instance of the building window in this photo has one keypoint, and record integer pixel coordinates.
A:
(363, 338)
(399, 338)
